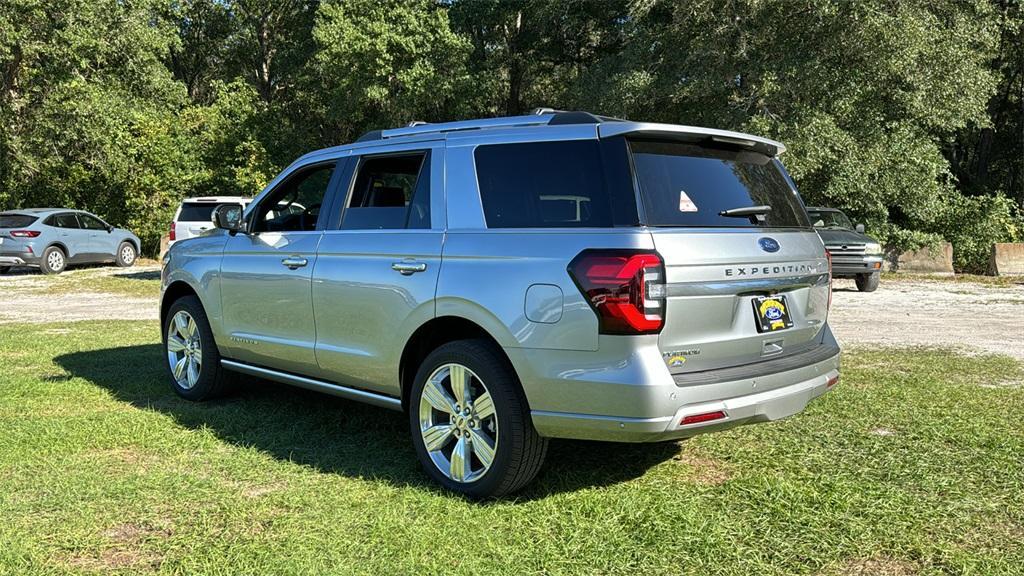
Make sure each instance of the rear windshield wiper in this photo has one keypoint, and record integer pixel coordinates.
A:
(755, 213)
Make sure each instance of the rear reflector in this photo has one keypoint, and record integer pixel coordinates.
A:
(832, 381)
(624, 287)
(705, 417)
(24, 233)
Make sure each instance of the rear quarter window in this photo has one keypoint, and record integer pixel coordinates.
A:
(564, 184)
(685, 184)
(197, 212)
(16, 220)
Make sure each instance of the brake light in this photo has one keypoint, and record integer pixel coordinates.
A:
(828, 256)
(624, 287)
(171, 234)
(705, 417)
(24, 233)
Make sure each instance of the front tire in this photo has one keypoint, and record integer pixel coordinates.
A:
(867, 282)
(470, 422)
(126, 255)
(193, 362)
(4, 270)
(54, 260)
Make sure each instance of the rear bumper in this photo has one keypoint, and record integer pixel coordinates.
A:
(652, 410)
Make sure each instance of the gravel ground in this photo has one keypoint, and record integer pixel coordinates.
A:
(969, 316)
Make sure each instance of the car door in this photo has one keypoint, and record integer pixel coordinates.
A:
(69, 233)
(97, 238)
(266, 273)
(377, 265)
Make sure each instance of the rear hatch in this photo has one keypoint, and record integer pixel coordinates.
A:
(14, 222)
(739, 253)
(194, 218)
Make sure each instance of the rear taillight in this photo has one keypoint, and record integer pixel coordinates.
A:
(171, 234)
(828, 255)
(24, 233)
(626, 288)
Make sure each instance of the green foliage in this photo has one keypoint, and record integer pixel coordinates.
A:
(907, 115)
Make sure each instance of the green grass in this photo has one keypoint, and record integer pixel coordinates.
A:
(915, 464)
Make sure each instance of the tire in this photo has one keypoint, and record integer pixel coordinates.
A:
(4, 270)
(515, 450)
(201, 376)
(126, 255)
(54, 260)
(867, 282)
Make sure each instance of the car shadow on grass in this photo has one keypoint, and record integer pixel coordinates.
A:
(333, 435)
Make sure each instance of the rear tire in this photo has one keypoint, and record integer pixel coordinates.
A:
(126, 255)
(867, 282)
(4, 270)
(192, 359)
(54, 260)
(492, 434)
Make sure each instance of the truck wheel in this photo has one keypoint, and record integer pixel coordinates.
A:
(867, 282)
(126, 255)
(193, 361)
(54, 261)
(4, 270)
(470, 422)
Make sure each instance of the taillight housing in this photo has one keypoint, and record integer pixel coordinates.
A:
(24, 233)
(171, 234)
(626, 288)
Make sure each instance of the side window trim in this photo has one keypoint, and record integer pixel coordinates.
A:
(256, 206)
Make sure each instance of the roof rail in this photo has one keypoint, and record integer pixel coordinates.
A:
(539, 117)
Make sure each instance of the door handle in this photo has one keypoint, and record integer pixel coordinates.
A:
(407, 268)
(294, 262)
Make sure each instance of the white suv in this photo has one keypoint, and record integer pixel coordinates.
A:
(195, 216)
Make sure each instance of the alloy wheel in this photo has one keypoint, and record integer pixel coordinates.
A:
(184, 349)
(127, 254)
(458, 423)
(55, 260)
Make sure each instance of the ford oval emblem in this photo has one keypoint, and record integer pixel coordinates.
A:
(768, 244)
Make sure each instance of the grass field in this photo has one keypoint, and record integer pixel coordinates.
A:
(914, 465)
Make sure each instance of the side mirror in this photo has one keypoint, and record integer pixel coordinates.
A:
(228, 217)
(859, 228)
(110, 229)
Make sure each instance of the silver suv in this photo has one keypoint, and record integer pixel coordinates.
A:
(510, 280)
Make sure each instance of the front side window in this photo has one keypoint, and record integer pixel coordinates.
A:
(294, 206)
(390, 192)
(686, 184)
(90, 222)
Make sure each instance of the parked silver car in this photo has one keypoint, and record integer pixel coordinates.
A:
(54, 238)
(510, 280)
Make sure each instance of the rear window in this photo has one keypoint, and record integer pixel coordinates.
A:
(555, 184)
(16, 220)
(197, 211)
(689, 185)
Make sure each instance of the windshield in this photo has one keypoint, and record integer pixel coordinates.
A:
(829, 219)
(16, 220)
(690, 185)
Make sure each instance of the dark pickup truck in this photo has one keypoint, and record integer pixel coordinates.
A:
(854, 254)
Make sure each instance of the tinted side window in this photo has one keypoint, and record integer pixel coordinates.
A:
(65, 220)
(390, 192)
(551, 185)
(91, 222)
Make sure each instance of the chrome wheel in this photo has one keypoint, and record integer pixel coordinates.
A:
(127, 254)
(458, 423)
(184, 349)
(55, 260)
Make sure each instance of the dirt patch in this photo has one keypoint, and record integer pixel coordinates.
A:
(33, 298)
(700, 469)
(967, 316)
(878, 567)
(127, 550)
